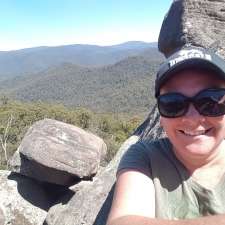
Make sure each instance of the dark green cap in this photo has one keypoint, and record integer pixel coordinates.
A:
(190, 57)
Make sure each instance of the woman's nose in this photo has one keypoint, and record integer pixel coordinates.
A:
(193, 114)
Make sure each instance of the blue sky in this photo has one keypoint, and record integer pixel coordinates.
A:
(29, 23)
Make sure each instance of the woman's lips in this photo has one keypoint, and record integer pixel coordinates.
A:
(195, 133)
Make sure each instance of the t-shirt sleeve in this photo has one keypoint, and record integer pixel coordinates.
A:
(137, 157)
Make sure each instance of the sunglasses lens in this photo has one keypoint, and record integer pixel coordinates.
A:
(172, 105)
(211, 102)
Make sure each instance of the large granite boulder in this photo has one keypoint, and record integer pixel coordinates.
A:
(196, 22)
(59, 153)
(22, 200)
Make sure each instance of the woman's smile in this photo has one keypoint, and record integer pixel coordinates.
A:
(195, 133)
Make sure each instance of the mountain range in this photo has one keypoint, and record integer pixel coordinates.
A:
(32, 60)
(115, 78)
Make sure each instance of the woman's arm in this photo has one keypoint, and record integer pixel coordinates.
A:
(134, 195)
(139, 220)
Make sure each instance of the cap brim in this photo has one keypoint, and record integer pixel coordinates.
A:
(196, 63)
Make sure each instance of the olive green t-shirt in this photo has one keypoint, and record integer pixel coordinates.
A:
(177, 195)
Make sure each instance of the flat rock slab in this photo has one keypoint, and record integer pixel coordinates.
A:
(22, 201)
(59, 153)
(196, 22)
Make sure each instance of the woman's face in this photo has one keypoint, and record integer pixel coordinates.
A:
(194, 137)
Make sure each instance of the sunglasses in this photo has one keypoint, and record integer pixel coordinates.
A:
(208, 102)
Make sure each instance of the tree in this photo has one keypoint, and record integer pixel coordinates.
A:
(4, 137)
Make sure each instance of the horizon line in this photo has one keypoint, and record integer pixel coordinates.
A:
(61, 45)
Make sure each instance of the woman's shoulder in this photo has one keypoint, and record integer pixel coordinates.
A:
(140, 155)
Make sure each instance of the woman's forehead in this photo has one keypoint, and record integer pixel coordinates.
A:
(192, 79)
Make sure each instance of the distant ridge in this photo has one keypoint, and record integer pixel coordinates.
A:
(137, 44)
(37, 59)
(126, 86)
(128, 44)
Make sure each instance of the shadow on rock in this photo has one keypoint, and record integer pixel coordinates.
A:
(31, 191)
(58, 193)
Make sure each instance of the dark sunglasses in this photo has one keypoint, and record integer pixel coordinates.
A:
(209, 102)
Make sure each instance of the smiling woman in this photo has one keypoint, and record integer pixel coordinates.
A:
(197, 134)
(169, 181)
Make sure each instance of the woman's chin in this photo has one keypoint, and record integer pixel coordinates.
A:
(198, 149)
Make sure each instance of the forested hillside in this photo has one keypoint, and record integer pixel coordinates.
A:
(122, 87)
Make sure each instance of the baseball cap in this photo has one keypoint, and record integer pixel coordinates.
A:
(189, 57)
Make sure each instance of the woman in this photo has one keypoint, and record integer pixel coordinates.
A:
(179, 179)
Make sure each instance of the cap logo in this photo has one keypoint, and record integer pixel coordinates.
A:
(188, 54)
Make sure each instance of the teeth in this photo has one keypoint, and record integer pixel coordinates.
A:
(194, 133)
